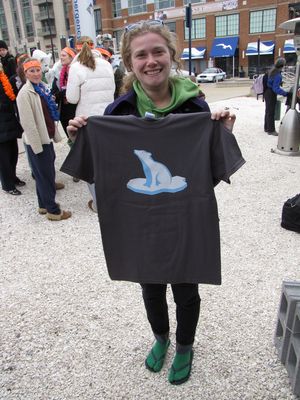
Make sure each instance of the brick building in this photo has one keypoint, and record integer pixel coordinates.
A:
(224, 33)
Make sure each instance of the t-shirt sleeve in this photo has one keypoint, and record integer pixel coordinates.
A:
(79, 161)
(226, 156)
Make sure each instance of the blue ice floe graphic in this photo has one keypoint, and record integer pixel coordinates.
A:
(158, 177)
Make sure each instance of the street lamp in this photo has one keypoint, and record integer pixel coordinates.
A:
(49, 26)
(188, 24)
(258, 56)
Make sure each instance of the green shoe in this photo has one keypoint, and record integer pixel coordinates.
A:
(156, 357)
(181, 368)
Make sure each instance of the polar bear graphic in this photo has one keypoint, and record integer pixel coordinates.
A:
(158, 177)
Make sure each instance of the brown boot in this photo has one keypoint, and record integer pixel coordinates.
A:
(59, 217)
(59, 185)
(43, 211)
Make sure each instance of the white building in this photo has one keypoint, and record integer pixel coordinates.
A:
(29, 24)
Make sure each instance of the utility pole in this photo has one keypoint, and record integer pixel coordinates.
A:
(49, 26)
(258, 56)
(188, 24)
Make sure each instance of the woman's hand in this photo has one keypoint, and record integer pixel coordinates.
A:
(75, 124)
(226, 117)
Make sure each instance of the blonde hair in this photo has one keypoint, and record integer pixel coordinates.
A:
(139, 30)
(85, 57)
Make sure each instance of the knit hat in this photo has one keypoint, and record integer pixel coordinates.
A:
(3, 45)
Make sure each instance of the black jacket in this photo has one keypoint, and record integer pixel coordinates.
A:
(9, 65)
(126, 105)
(10, 127)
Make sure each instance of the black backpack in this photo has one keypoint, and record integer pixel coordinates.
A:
(291, 214)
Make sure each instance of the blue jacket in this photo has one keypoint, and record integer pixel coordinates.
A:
(274, 83)
(127, 105)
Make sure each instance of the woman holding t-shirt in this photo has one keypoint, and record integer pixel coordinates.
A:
(148, 51)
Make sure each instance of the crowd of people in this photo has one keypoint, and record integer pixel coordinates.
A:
(86, 79)
(31, 109)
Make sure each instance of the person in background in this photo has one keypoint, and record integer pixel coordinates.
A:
(148, 50)
(10, 131)
(38, 117)
(59, 86)
(270, 95)
(90, 86)
(7, 60)
(119, 72)
(18, 79)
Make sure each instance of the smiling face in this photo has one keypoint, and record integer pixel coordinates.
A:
(151, 61)
(65, 58)
(34, 74)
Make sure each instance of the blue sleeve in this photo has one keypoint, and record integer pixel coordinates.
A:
(277, 80)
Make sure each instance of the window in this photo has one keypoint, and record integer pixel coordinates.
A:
(136, 6)
(27, 18)
(117, 12)
(263, 21)
(171, 26)
(3, 24)
(161, 4)
(15, 17)
(98, 21)
(294, 10)
(198, 30)
(117, 35)
(227, 25)
(186, 2)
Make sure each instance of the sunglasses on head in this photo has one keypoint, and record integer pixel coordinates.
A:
(136, 25)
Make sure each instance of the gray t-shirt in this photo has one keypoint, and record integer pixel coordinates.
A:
(155, 193)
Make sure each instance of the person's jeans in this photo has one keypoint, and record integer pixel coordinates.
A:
(91, 187)
(43, 169)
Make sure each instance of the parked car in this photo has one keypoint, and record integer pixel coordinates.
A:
(211, 75)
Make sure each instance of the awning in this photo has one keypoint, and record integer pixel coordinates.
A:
(264, 48)
(196, 52)
(289, 46)
(224, 47)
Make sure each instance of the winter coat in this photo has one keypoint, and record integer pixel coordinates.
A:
(9, 65)
(127, 105)
(32, 119)
(274, 83)
(10, 128)
(91, 90)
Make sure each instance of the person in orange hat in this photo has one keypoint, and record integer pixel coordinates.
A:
(105, 53)
(38, 116)
(59, 86)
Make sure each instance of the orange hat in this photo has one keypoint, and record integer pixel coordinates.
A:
(69, 51)
(79, 45)
(30, 64)
(104, 52)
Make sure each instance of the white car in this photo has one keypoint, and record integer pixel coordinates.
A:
(211, 75)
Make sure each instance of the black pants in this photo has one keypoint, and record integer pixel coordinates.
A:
(42, 165)
(270, 102)
(187, 301)
(8, 164)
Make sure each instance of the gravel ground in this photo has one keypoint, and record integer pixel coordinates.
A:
(69, 332)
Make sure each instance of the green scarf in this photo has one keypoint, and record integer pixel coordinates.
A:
(182, 89)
